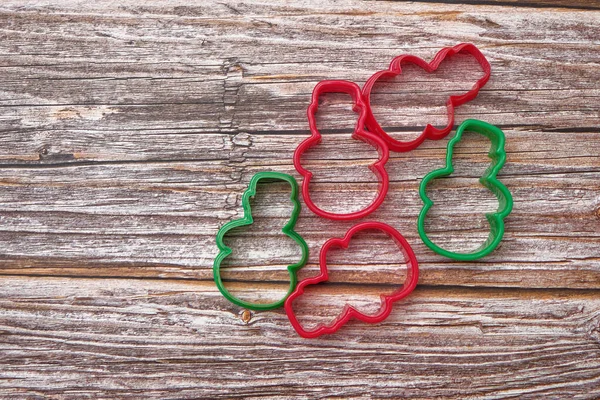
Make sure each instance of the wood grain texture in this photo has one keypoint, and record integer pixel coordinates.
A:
(184, 126)
(72, 338)
(130, 130)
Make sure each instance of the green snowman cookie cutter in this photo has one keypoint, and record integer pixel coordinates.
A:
(489, 180)
(288, 229)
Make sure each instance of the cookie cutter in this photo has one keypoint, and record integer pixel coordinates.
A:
(412, 276)
(288, 229)
(489, 180)
(378, 168)
(430, 132)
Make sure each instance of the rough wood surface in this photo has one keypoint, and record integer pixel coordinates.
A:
(130, 130)
(77, 338)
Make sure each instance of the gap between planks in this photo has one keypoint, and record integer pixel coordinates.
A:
(253, 285)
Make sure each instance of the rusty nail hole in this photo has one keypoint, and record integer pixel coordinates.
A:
(44, 151)
(246, 316)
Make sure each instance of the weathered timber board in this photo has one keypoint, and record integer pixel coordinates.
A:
(130, 129)
(71, 338)
(185, 125)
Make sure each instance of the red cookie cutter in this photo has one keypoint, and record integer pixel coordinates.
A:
(378, 168)
(412, 276)
(430, 132)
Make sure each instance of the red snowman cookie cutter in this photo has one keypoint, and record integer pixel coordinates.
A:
(430, 132)
(410, 282)
(378, 168)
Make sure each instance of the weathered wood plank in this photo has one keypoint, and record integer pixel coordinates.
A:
(184, 112)
(89, 77)
(130, 130)
(160, 219)
(71, 337)
(60, 133)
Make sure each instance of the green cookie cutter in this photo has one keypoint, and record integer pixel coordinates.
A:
(288, 229)
(489, 180)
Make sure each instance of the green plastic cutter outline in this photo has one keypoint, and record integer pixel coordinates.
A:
(247, 219)
(489, 180)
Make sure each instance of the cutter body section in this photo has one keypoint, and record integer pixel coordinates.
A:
(247, 219)
(429, 132)
(348, 313)
(359, 133)
(489, 180)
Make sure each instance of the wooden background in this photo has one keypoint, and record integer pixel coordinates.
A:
(131, 128)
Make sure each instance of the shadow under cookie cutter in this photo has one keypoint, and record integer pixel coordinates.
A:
(247, 219)
(489, 180)
(378, 168)
(430, 132)
(410, 282)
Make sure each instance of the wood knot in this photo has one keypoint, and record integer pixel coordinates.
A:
(246, 316)
(597, 213)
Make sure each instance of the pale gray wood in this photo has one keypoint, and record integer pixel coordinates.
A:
(162, 219)
(76, 338)
(130, 130)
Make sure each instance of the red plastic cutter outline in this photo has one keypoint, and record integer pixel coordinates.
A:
(430, 132)
(410, 282)
(378, 168)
